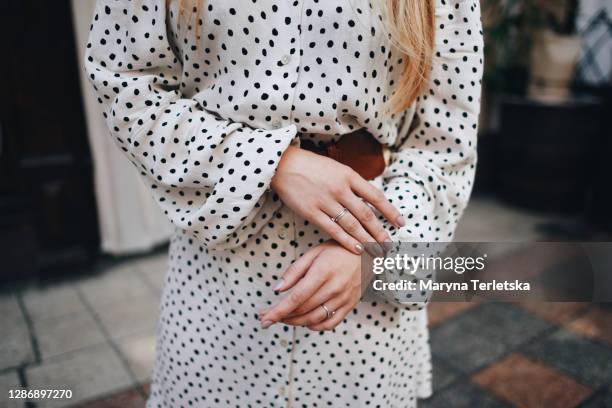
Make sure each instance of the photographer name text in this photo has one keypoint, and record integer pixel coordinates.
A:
(430, 285)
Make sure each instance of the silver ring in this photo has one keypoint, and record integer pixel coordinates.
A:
(340, 215)
(328, 313)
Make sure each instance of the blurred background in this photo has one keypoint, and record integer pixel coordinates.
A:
(84, 246)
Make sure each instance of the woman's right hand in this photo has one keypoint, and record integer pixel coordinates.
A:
(318, 188)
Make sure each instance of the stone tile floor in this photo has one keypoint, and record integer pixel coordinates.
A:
(77, 333)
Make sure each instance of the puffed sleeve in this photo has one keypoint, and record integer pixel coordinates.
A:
(210, 175)
(431, 171)
(432, 167)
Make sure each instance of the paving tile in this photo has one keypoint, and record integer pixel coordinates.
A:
(10, 311)
(437, 312)
(52, 302)
(483, 334)
(114, 286)
(139, 351)
(509, 324)
(595, 322)
(16, 348)
(525, 383)
(137, 315)
(601, 399)
(443, 375)
(590, 362)
(460, 344)
(462, 395)
(90, 373)
(489, 220)
(130, 398)
(67, 333)
(9, 381)
(154, 269)
(556, 312)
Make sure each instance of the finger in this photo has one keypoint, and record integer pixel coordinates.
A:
(377, 198)
(350, 224)
(338, 234)
(316, 315)
(293, 274)
(365, 216)
(335, 320)
(330, 292)
(304, 289)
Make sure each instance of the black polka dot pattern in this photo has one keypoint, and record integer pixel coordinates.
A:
(204, 107)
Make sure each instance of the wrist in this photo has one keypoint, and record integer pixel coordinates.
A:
(289, 152)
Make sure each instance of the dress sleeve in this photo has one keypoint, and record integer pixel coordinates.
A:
(432, 167)
(433, 163)
(210, 175)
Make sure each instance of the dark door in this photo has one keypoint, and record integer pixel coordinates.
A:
(47, 208)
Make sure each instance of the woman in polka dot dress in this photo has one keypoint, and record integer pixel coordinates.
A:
(211, 100)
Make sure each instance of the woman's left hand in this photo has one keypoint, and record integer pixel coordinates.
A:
(327, 275)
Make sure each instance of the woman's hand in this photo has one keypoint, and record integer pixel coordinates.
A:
(318, 188)
(327, 275)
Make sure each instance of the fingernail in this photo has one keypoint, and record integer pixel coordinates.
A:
(359, 248)
(400, 221)
(376, 251)
(279, 285)
(388, 245)
(266, 323)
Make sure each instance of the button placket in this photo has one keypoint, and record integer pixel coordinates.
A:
(291, 232)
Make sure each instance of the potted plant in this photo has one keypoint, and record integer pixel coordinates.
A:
(532, 47)
(539, 152)
(555, 51)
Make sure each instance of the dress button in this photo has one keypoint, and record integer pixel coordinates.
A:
(285, 59)
(284, 343)
(277, 124)
(281, 390)
(282, 235)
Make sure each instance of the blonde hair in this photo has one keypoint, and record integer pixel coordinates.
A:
(411, 27)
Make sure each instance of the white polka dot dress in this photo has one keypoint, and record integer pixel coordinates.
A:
(204, 106)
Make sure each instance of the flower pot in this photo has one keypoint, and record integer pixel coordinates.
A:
(552, 64)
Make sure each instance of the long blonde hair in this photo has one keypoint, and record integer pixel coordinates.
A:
(411, 28)
(411, 24)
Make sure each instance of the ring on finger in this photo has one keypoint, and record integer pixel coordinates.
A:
(339, 215)
(328, 313)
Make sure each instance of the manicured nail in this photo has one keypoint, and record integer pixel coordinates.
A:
(279, 285)
(400, 221)
(375, 251)
(359, 248)
(388, 245)
(266, 323)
